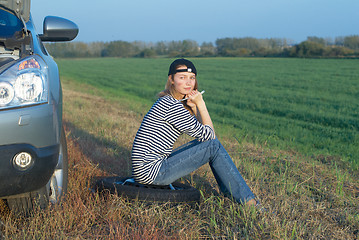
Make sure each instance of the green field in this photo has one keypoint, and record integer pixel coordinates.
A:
(310, 106)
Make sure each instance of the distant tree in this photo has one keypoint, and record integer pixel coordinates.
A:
(352, 42)
(223, 45)
(80, 49)
(318, 40)
(271, 47)
(308, 49)
(329, 41)
(57, 50)
(232, 46)
(248, 43)
(161, 48)
(185, 48)
(228, 47)
(190, 48)
(339, 41)
(338, 51)
(140, 45)
(173, 46)
(120, 49)
(95, 48)
(147, 53)
(243, 52)
(267, 52)
(275, 43)
(175, 53)
(207, 49)
(68, 49)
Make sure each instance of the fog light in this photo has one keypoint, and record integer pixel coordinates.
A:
(23, 161)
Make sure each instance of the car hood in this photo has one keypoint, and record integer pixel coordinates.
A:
(21, 8)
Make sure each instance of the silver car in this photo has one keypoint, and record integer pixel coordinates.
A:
(33, 155)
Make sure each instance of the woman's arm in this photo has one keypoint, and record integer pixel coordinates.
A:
(200, 108)
(195, 111)
(204, 115)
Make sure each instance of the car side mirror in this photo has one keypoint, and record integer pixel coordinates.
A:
(57, 29)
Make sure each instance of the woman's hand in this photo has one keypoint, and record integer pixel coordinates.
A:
(194, 98)
(191, 104)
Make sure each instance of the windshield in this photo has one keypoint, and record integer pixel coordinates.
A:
(9, 24)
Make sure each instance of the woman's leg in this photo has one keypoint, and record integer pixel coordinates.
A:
(193, 155)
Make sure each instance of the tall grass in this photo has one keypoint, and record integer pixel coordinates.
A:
(308, 105)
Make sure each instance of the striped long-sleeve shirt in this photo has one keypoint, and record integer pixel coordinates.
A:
(163, 124)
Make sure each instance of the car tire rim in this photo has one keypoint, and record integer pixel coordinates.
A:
(56, 181)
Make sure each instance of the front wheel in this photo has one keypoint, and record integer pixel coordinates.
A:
(57, 186)
(52, 192)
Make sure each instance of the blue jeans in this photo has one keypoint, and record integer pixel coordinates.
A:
(193, 155)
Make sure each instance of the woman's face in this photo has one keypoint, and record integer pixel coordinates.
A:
(183, 83)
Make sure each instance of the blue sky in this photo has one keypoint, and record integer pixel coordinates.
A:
(203, 20)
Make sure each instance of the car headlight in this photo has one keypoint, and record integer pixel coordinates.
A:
(7, 93)
(24, 83)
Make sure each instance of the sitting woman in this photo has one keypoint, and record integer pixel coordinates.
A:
(154, 162)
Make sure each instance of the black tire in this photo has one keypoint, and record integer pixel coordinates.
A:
(150, 193)
(52, 192)
(26, 203)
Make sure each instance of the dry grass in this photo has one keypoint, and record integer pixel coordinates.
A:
(306, 198)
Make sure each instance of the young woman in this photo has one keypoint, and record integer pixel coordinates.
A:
(154, 162)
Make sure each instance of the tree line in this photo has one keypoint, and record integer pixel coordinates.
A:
(224, 47)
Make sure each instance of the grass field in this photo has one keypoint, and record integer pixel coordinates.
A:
(307, 105)
(269, 123)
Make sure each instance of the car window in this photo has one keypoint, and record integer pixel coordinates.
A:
(9, 24)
